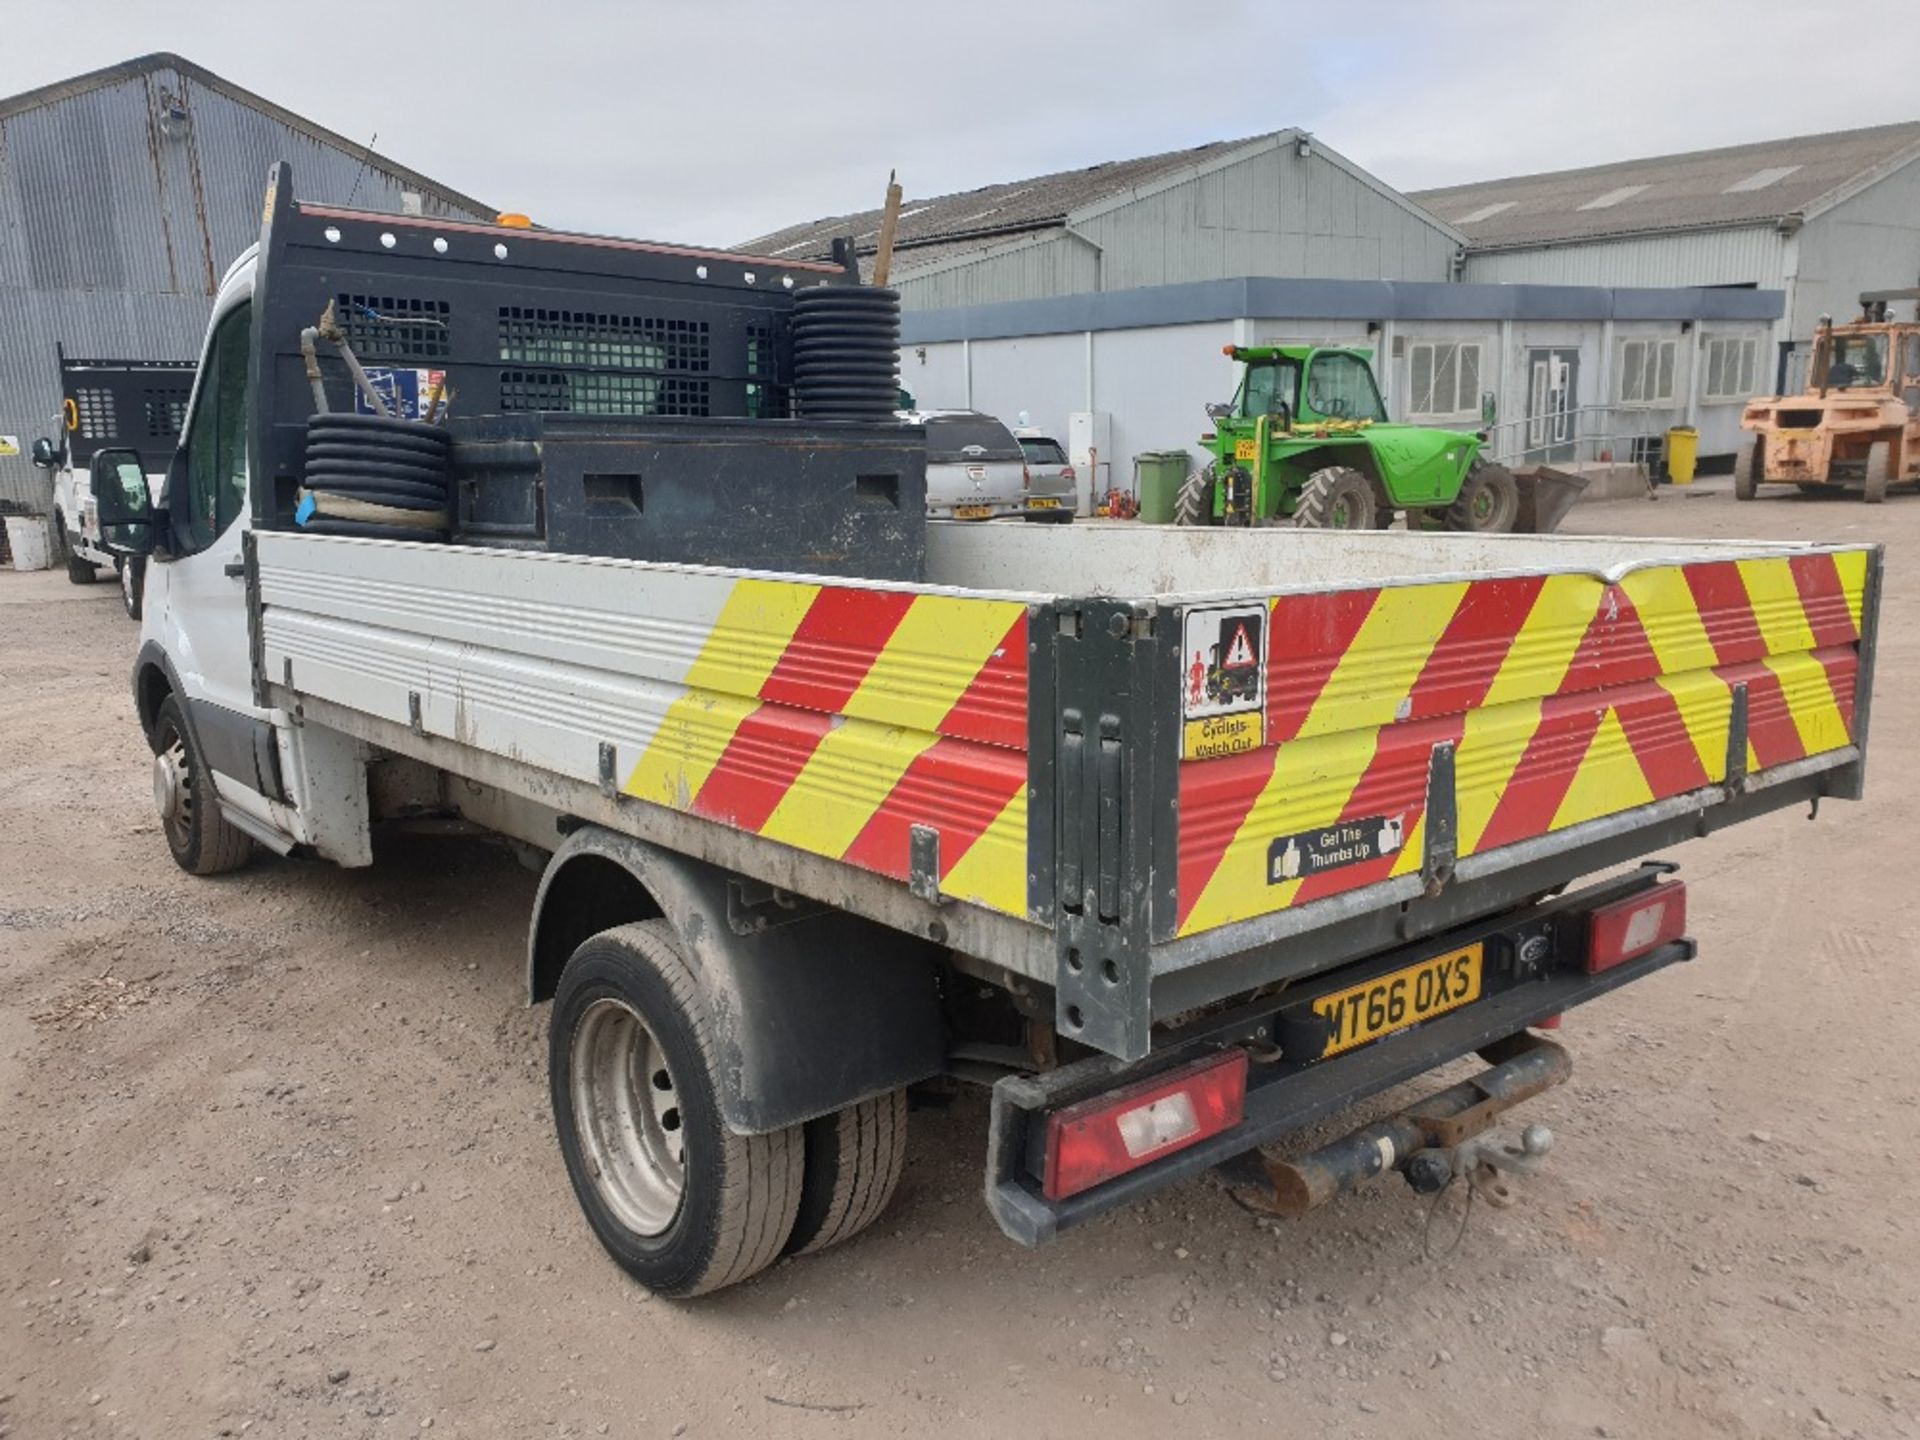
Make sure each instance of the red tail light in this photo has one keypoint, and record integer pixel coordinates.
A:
(1630, 928)
(1066, 472)
(1026, 478)
(1109, 1135)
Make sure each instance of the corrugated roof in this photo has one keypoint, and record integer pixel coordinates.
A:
(1755, 184)
(147, 64)
(973, 219)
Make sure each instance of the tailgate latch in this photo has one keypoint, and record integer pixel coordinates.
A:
(1442, 821)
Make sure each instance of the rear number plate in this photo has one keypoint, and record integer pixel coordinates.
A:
(972, 512)
(1363, 1013)
(1043, 504)
(1245, 450)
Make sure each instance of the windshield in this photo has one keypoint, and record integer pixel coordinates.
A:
(950, 436)
(1857, 360)
(1269, 385)
(1043, 452)
(1341, 387)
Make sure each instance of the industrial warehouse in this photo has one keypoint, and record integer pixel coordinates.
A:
(1582, 313)
(1229, 792)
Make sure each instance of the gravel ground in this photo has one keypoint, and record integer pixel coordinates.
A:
(275, 1160)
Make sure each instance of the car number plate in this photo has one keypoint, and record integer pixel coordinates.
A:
(1043, 504)
(1363, 1013)
(1245, 450)
(972, 512)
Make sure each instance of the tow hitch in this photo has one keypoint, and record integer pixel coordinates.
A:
(1430, 1143)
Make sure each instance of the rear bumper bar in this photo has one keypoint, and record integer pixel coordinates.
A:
(1279, 1101)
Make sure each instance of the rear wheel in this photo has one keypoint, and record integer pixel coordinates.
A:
(202, 839)
(854, 1159)
(1489, 500)
(682, 1203)
(1746, 479)
(1194, 504)
(1336, 498)
(1879, 464)
(132, 573)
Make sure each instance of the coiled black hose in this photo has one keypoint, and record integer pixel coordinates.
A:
(376, 477)
(846, 352)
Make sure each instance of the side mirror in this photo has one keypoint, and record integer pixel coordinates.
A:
(1219, 409)
(45, 455)
(122, 503)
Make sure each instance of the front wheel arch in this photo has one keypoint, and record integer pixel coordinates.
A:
(153, 682)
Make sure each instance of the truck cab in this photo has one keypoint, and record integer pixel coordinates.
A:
(110, 405)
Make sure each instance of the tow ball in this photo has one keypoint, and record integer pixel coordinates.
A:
(1440, 1139)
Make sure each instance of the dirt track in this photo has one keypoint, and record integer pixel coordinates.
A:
(275, 1160)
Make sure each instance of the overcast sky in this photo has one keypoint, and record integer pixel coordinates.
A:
(716, 122)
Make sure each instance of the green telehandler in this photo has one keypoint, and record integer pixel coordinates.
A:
(1306, 442)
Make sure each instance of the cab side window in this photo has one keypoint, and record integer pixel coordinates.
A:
(216, 488)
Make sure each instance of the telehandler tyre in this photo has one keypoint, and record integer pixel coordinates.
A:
(1194, 504)
(1488, 502)
(1336, 498)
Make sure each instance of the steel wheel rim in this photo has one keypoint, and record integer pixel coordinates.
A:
(626, 1111)
(1481, 505)
(173, 789)
(126, 585)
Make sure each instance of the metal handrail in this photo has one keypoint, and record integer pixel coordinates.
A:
(1584, 437)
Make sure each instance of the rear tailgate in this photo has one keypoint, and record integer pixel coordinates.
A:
(1395, 731)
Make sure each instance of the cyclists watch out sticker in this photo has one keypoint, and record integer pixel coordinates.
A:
(1224, 680)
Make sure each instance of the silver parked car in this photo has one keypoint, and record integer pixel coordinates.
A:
(1053, 489)
(975, 468)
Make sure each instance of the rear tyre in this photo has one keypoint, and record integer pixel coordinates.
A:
(202, 839)
(1488, 502)
(854, 1159)
(1194, 504)
(1746, 479)
(80, 570)
(131, 570)
(1336, 498)
(680, 1202)
(1879, 463)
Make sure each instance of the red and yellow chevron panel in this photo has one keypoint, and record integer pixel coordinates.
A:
(1567, 698)
(835, 718)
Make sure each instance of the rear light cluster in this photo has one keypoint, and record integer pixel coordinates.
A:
(1066, 472)
(1026, 477)
(1630, 928)
(1097, 1139)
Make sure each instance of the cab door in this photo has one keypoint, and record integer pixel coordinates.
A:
(200, 619)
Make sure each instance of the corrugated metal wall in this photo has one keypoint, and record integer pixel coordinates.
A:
(1273, 213)
(1757, 255)
(1058, 265)
(1871, 242)
(117, 220)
